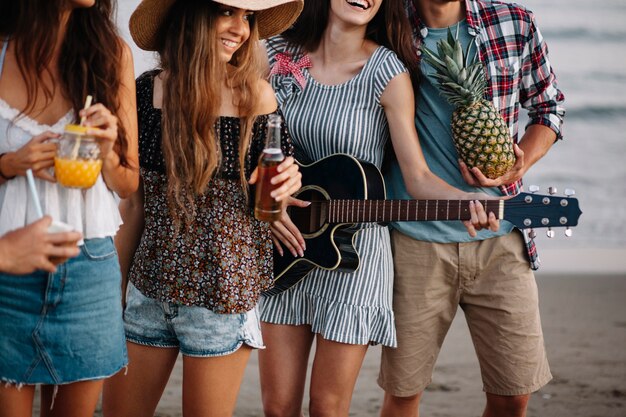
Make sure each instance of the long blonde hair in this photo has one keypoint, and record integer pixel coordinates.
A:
(191, 101)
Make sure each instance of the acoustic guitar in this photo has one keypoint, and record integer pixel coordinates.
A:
(345, 192)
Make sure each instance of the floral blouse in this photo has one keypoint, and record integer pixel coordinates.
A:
(223, 260)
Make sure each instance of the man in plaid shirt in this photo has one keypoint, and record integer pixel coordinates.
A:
(437, 265)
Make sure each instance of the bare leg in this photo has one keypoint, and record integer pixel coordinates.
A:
(211, 385)
(335, 370)
(16, 402)
(401, 406)
(283, 367)
(78, 399)
(506, 406)
(137, 392)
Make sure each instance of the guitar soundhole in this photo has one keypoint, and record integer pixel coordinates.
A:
(310, 220)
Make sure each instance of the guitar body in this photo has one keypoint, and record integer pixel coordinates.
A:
(328, 246)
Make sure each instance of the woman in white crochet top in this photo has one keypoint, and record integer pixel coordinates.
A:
(63, 330)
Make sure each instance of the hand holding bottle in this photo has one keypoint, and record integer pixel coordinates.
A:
(276, 177)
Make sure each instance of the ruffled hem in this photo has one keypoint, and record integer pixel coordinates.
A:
(93, 212)
(338, 322)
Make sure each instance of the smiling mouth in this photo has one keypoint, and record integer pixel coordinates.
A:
(361, 4)
(230, 44)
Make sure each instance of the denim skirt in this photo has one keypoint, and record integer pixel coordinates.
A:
(67, 326)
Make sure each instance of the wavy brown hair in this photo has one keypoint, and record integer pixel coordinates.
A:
(191, 100)
(390, 28)
(90, 57)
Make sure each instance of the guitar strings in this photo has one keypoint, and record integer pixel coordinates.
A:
(398, 202)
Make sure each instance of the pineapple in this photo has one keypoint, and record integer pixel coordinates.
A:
(481, 136)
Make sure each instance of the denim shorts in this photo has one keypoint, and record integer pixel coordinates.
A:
(195, 331)
(67, 326)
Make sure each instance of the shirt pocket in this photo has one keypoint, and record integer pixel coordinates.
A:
(505, 81)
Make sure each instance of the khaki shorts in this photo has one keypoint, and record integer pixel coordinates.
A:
(494, 285)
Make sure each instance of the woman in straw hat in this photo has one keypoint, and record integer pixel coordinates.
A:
(63, 329)
(196, 258)
(342, 80)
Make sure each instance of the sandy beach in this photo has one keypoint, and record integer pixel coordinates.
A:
(584, 322)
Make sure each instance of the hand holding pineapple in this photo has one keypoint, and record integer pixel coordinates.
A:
(481, 136)
(475, 177)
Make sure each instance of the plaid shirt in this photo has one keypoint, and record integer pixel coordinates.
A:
(518, 71)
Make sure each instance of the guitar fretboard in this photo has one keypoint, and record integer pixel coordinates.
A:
(363, 211)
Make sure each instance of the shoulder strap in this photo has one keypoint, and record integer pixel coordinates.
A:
(3, 54)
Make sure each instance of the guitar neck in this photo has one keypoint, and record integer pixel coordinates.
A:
(365, 211)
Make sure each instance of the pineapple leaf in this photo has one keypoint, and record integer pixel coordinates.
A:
(481, 92)
(452, 67)
(467, 54)
(441, 77)
(475, 76)
(458, 29)
(434, 60)
(477, 84)
(458, 54)
(445, 49)
(462, 76)
(451, 39)
(457, 88)
(477, 81)
(429, 54)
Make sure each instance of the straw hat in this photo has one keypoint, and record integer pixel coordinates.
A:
(272, 16)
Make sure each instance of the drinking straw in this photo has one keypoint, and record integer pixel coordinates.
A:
(74, 154)
(87, 105)
(33, 192)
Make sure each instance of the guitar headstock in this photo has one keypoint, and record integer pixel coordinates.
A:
(530, 210)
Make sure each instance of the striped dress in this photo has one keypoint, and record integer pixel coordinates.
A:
(352, 308)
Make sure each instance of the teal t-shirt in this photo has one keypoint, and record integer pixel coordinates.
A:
(432, 119)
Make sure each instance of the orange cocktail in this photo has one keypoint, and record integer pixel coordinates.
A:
(77, 163)
(77, 173)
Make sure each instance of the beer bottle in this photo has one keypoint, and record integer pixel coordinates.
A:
(266, 208)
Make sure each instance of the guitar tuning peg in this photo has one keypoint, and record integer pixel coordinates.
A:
(569, 192)
(532, 234)
(533, 189)
(552, 190)
(568, 232)
(550, 233)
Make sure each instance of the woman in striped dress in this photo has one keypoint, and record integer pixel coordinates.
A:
(342, 82)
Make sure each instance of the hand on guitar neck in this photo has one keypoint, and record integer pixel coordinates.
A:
(480, 219)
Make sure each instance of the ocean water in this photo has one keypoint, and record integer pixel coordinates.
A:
(587, 44)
